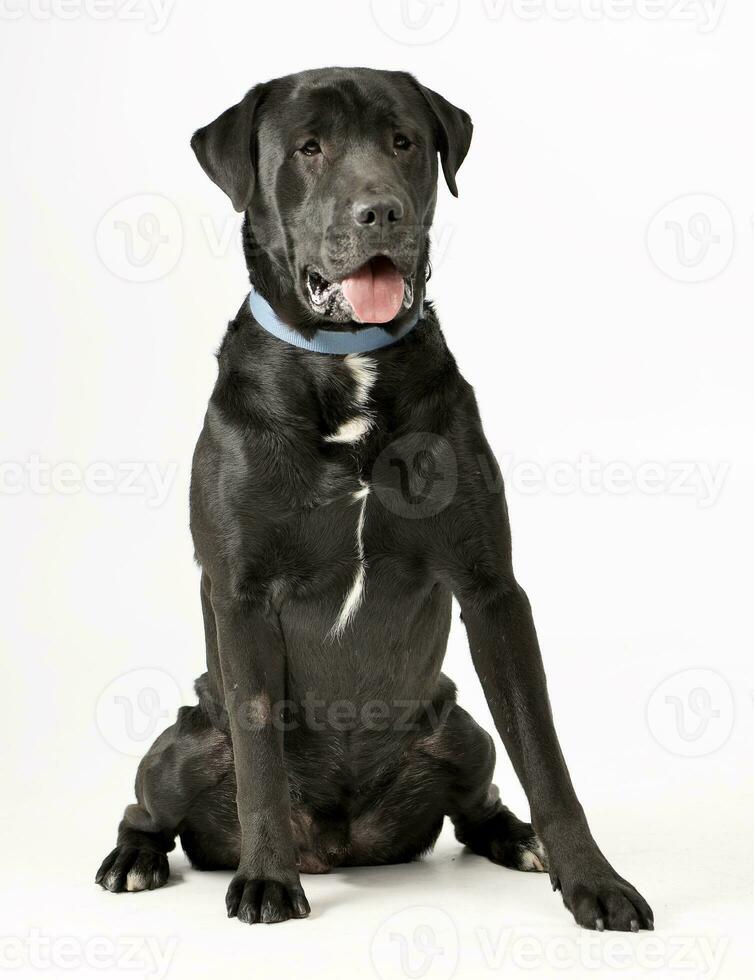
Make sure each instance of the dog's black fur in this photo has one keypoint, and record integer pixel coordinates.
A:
(314, 744)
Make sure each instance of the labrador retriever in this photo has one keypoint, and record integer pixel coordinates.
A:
(342, 494)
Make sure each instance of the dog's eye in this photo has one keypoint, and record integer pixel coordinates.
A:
(311, 148)
(401, 142)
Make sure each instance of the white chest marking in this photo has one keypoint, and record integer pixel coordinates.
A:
(364, 372)
(355, 594)
(352, 430)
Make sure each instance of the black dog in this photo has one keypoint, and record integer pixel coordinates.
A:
(342, 492)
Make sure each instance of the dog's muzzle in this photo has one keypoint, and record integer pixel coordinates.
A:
(375, 292)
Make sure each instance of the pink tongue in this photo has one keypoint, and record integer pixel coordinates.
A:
(375, 291)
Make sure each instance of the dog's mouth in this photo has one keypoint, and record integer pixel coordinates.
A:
(376, 292)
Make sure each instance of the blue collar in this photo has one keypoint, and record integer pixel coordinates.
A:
(327, 341)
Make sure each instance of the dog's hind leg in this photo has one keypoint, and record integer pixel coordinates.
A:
(481, 821)
(185, 761)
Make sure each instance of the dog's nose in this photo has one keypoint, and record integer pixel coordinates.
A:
(379, 211)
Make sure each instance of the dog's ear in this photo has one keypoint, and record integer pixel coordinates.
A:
(225, 148)
(453, 129)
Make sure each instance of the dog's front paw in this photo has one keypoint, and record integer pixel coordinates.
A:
(601, 899)
(264, 900)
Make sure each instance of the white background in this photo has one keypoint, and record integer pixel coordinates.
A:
(594, 281)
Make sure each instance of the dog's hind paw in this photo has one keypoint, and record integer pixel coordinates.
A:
(133, 869)
(506, 840)
(526, 855)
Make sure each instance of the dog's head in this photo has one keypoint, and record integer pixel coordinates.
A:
(336, 170)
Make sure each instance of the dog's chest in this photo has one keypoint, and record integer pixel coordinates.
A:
(339, 546)
(349, 419)
(346, 401)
